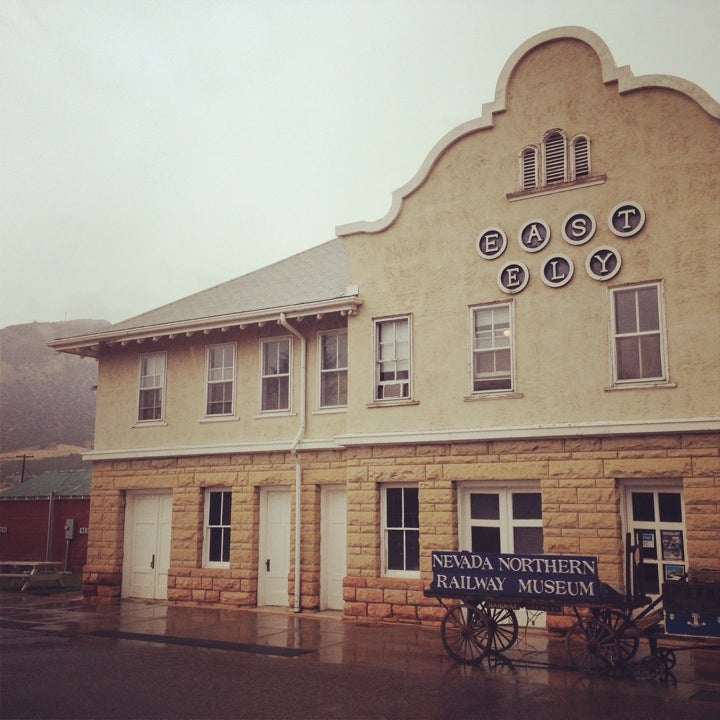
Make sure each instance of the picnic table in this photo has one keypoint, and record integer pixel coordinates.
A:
(32, 572)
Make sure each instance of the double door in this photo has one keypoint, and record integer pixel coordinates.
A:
(148, 521)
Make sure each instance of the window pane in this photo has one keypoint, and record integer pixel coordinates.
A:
(647, 540)
(643, 507)
(650, 355)
(215, 552)
(670, 507)
(412, 550)
(625, 320)
(652, 583)
(628, 358)
(329, 352)
(484, 506)
(527, 506)
(226, 504)
(528, 540)
(394, 507)
(225, 545)
(486, 539)
(411, 508)
(649, 317)
(395, 550)
(215, 511)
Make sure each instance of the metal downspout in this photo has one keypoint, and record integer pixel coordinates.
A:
(293, 451)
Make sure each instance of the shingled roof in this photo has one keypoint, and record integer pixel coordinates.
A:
(61, 483)
(311, 282)
(311, 276)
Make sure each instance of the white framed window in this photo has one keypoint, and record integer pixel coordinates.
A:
(275, 375)
(655, 519)
(220, 379)
(151, 387)
(556, 162)
(501, 518)
(580, 157)
(401, 530)
(217, 529)
(333, 369)
(555, 157)
(392, 359)
(529, 168)
(638, 331)
(492, 348)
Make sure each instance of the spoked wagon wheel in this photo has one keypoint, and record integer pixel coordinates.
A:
(625, 631)
(502, 627)
(464, 633)
(592, 646)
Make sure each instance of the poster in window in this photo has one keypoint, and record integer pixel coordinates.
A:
(673, 573)
(672, 544)
(645, 539)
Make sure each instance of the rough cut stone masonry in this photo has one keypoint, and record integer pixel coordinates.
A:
(580, 481)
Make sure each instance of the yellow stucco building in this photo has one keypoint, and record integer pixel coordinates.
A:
(521, 356)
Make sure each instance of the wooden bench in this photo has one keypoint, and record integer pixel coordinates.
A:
(32, 572)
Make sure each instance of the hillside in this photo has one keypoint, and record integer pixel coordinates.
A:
(46, 398)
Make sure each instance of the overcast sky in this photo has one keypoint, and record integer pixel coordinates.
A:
(149, 150)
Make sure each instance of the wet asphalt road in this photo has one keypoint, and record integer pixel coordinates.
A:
(77, 676)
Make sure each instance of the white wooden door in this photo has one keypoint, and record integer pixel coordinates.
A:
(274, 560)
(148, 521)
(333, 547)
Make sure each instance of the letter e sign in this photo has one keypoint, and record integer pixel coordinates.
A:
(491, 243)
(513, 277)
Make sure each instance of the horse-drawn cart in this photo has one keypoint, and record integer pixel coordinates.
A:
(481, 593)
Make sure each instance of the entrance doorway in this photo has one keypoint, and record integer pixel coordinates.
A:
(148, 521)
(274, 546)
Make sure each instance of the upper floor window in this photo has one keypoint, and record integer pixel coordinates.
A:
(638, 333)
(216, 544)
(392, 359)
(554, 160)
(275, 393)
(333, 369)
(152, 387)
(492, 348)
(401, 530)
(220, 379)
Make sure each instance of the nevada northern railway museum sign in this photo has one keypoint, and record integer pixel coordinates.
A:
(571, 578)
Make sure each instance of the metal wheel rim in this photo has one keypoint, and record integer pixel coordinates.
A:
(464, 633)
(592, 646)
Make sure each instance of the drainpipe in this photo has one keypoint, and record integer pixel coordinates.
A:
(293, 451)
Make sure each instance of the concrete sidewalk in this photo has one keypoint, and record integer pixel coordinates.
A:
(326, 638)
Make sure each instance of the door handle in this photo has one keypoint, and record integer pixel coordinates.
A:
(152, 563)
(267, 564)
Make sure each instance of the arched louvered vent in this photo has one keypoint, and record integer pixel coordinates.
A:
(554, 158)
(529, 168)
(581, 157)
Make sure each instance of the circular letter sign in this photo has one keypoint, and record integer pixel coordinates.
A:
(578, 227)
(491, 243)
(626, 219)
(557, 271)
(603, 263)
(534, 235)
(513, 277)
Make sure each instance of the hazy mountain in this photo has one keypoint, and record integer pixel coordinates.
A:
(46, 398)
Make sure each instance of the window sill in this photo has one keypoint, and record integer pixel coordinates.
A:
(392, 403)
(149, 423)
(217, 418)
(657, 385)
(340, 409)
(274, 414)
(556, 188)
(402, 574)
(494, 396)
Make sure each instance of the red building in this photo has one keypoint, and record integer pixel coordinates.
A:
(46, 518)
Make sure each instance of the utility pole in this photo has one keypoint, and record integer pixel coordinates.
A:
(24, 458)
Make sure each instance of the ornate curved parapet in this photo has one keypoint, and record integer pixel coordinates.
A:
(626, 81)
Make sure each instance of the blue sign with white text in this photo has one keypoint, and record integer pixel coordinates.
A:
(570, 578)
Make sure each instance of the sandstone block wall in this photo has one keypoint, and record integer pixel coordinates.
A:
(580, 478)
